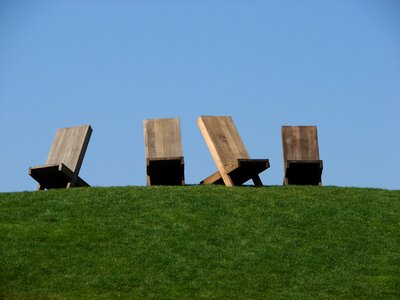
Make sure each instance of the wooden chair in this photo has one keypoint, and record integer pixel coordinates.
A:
(164, 159)
(229, 153)
(301, 155)
(64, 160)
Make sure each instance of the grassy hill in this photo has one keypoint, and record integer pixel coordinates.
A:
(200, 242)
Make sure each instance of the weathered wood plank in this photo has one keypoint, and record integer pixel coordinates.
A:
(223, 139)
(162, 138)
(69, 147)
(214, 178)
(300, 143)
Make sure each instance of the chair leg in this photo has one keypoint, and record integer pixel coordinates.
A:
(257, 181)
(285, 181)
(227, 180)
(70, 185)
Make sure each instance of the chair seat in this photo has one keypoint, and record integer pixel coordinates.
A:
(166, 171)
(55, 176)
(304, 172)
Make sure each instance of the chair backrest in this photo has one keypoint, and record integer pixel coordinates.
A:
(300, 143)
(162, 138)
(222, 139)
(69, 147)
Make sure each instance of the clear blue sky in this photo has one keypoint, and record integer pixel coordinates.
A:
(111, 64)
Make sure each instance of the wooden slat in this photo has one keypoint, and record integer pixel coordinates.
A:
(222, 139)
(69, 147)
(214, 178)
(300, 143)
(218, 139)
(162, 138)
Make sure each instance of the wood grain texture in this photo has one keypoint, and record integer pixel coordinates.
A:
(223, 139)
(301, 159)
(64, 159)
(162, 138)
(69, 147)
(228, 151)
(164, 155)
(300, 143)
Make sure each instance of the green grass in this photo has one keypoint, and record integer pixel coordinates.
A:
(200, 242)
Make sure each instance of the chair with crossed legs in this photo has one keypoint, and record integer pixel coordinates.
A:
(64, 160)
(229, 153)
